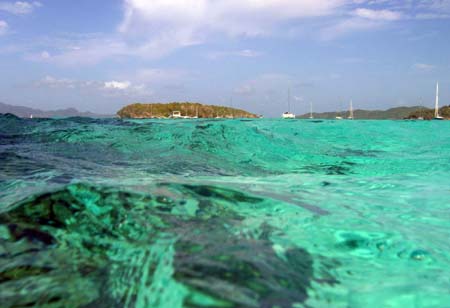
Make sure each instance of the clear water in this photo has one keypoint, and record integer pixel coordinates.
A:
(224, 213)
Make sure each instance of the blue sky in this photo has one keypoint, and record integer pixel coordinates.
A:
(104, 54)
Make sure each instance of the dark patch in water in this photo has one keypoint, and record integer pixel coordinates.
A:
(244, 273)
(203, 126)
(62, 179)
(92, 246)
(362, 153)
(221, 193)
(330, 169)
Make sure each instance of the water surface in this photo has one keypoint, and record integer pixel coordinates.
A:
(224, 213)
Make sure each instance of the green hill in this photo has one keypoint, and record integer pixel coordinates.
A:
(156, 110)
(393, 113)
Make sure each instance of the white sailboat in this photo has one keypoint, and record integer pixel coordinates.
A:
(436, 105)
(310, 111)
(350, 116)
(288, 114)
(338, 116)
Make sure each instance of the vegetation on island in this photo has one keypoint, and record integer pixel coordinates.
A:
(188, 109)
(428, 114)
(397, 113)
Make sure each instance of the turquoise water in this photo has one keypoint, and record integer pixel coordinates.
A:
(224, 213)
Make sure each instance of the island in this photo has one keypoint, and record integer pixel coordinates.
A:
(181, 110)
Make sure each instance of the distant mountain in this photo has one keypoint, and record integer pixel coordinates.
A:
(26, 112)
(164, 110)
(393, 113)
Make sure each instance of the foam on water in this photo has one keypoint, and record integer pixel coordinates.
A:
(224, 213)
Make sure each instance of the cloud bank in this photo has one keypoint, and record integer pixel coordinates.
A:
(151, 29)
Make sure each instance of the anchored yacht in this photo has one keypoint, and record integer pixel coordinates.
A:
(288, 114)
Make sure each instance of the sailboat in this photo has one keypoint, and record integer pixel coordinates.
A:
(288, 114)
(310, 111)
(350, 116)
(338, 115)
(436, 105)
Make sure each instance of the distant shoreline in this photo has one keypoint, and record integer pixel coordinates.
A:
(27, 112)
(397, 113)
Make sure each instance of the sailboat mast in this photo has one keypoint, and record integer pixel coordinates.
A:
(436, 107)
(351, 109)
(310, 110)
(289, 99)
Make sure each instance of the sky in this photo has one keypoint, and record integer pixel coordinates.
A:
(102, 55)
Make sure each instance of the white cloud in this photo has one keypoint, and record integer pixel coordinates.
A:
(192, 19)
(154, 28)
(125, 88)
(383, 15)
(19, 7)
(52, 82)
(157, 27)
(361, 19)
(117, 85)
(347, 26)
(424, 66)
(3, 27)
(107, 88)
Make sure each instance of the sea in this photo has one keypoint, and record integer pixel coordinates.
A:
(224, 213)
